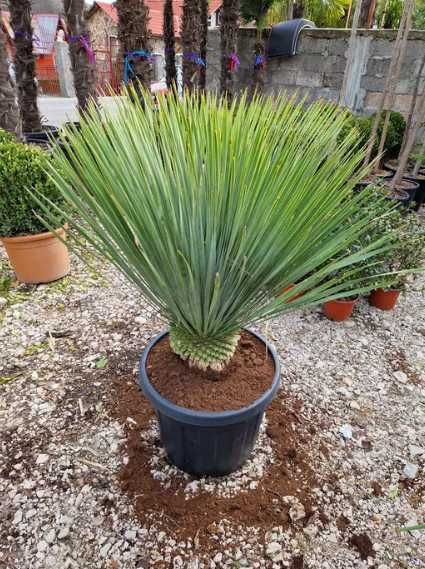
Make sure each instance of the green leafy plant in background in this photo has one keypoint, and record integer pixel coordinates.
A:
(405, 259)
(213, 209)
(394, 137)
(6, 136)
(23, 167)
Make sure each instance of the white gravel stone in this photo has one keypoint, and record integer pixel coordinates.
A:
(410, 470)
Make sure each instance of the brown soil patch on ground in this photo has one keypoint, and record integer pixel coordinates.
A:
(245, 379)
(290, 475)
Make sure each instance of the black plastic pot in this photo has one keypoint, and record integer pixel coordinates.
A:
(43, 137)
(400, 196)
(205, 443)
(419, 197)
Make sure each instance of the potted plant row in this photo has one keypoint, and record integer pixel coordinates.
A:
(392, 270)
(212, 210)
(36, 255)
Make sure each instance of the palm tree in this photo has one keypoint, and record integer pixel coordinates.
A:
(257, 10)
(229, 31)
(8, 108)
(203, 43)
(191, 37)
(134, 36)
(82, 56)
(170, 45)
(20, 19)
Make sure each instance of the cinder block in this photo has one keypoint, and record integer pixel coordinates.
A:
(378, 66)
(305, 79)
(372, 83)
(333, 80)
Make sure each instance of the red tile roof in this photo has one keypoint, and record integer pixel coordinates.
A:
(156, 8)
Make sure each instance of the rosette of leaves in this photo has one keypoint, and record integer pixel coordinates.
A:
(212, 209)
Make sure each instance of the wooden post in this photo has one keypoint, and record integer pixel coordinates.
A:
(417, 119)
(393, 84)
(408, 8)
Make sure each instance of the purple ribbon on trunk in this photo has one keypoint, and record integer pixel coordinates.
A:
(260, 61)
(234, 62)
(85, 44)
(194, 58)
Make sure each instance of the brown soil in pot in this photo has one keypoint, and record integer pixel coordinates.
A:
(247, 377)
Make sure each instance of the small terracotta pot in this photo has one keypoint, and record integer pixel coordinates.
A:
(40, 258)
(339, 310)
(384, 299)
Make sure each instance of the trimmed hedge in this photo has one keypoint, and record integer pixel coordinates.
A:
(23, 167)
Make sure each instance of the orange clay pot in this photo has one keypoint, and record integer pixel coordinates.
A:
(339, 310)
(39, 258)
(384, 299)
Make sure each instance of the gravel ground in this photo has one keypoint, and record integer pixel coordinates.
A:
(361, 381)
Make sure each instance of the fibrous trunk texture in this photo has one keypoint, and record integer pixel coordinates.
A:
(204, 353)
(229, 37)
(298, 9)
(191, 24)
(134, 36)
(8, 107)
(20, 19)
(367, 14)
(82, 56)
(203, 43)
(259, 64)
(170, 45)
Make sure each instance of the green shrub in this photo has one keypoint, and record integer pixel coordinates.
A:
(6, 136)
(394, 137)
(23, 167)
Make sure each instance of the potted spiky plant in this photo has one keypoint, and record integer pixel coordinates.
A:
(212, 210)
(404, 262)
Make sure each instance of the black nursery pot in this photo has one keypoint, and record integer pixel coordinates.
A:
(43, 137)
(207, 443)
(419, 197)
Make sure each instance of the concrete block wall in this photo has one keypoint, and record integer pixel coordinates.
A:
(317, 70)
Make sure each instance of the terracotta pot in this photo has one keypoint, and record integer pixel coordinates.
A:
(384, 299)
(339, 310)
(39, 258)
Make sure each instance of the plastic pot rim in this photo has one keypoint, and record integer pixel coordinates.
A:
(206, 418)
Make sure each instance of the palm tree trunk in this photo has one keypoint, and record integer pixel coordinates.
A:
(170, 45)
(134, 36)
(260, 62)
(8, 108)
(229, 37)
(367, 13)
(20, 19)
(191, 43)
(203, 43)
(298, 9)
(82, 56)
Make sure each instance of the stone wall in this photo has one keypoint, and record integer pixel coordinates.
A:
(318, 68)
